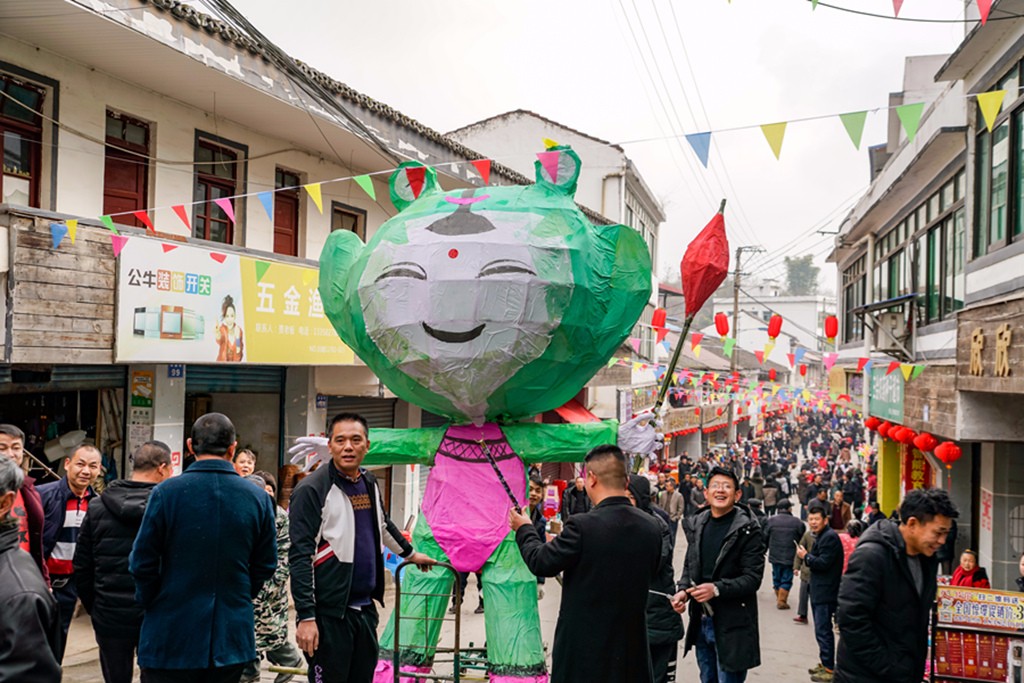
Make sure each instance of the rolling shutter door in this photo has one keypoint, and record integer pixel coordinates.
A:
(233, 379)
(379, 412)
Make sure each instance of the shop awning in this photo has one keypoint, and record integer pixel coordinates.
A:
(575, 413)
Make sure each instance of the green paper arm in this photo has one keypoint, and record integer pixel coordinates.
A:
(536, 442)
(404, 446)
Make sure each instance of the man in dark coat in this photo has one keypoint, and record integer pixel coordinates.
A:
(105, 586)
(825, 560)
(28, 506)
(664, 625)
(575, 500)
(610, 557)
(207, 543)
(29, 627)
(886, 595)
(721, 575)
(784, 533)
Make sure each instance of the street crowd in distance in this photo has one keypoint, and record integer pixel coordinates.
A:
(188, 577)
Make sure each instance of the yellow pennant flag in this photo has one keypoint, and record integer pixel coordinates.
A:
(549, 143)
(768, 348)
(72, 228)
(906, 369)
(773, 133)
(314, 193)
(696, 351)
(990, 104)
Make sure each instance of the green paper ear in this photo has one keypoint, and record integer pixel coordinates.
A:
(564, 164)
(342, 250)
(410, 181)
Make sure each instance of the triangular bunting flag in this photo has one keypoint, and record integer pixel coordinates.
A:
(109, 222)
(143, 218)
(861, 362)
(313, 189)
(910, 117)
(417, 176)
(57, 233)
(799, 353)
(791, 358)
(261, 269)
(225, 204)
(896, 5)
(218, 257)
(549, 161)
(183, 216)
(701, 144)
(696, 339)
(366, 182)
(990, 103)
(267, 200)
(549, 143)
(483, 167)
(868, 365)
(759, 354)
(662, 332)
(984, 7)
(893, 367)
(773, 133)
(727, 346)
(168, 247)
(814, 5)
(906, 369)
(829, 359)
(768, 348)
(635, 343)
(696, 351)
(118, 242)
(612, 361)
(853, 122)
(72, 229)
(918, 369)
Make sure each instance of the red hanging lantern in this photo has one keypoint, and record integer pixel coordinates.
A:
(658, 318)
(803, 370)
(907, 436)
(718, 412)
(948, 452)
(721, 324)
(896, 433)
(774, 326)
(696, 412)
(883, 429)
(771, 374)
(925, 442)
(872, 423)
(831, 328)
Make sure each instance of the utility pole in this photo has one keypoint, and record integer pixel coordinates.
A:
(735, 331)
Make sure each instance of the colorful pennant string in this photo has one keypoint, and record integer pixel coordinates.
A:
(366, 182)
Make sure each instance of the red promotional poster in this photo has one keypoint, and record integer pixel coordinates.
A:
(970, 655)
(941, 652)
(956, 653)
(985, 656)
(1000, 652)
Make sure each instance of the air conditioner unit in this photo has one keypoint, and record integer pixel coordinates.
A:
(889, 327)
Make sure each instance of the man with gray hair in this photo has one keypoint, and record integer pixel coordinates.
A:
(30, 632)
(105, 586)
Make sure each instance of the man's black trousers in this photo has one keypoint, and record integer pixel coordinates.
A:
(348, 648)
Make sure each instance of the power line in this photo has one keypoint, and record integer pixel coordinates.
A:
(874, 15)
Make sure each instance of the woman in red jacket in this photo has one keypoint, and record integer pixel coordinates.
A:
(969, 574)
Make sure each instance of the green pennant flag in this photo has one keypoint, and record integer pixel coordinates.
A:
(918, 369)
(910, 117)
(853, 122)
(727, 346)
(366, 182)
(814, 5)
(109, 222)
(261, 269)
(612, 361)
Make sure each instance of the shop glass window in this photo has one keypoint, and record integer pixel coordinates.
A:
(1000, 178)
(216, 178)
(982, 203)
(1018, 180)
(959, 254)
(934, 252)
(22, 136)
(948, 196)
(126, 168)
(961, 185)
(344, 217)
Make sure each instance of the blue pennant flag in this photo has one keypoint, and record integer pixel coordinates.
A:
(267, 199)
(701, 143)
(799, 353)
(57, 233)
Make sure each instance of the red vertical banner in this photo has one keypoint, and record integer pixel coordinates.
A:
(917, 472)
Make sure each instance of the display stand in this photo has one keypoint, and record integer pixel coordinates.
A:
(977, 635)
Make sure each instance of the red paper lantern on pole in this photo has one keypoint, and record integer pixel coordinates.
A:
(872, 423)
(803, 369)
(925, 442)
(831, 328)
(721, 324)
(907, 436)
(883, 429)
(774, 326)
(948, 452)
(771, 374)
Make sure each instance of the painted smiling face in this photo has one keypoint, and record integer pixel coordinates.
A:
(489, 302)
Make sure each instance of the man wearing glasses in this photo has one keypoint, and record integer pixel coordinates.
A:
(721, 575)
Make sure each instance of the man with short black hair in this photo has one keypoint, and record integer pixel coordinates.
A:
(30, 625)
(104, 584)
(28, 506)
(721, 574)
(825, 560)
(609, 557)
(65, 503)
(886, 595)
(575, 500)
(205, 547)
(784, 531)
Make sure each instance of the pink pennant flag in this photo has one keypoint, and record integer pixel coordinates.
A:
(180, 210)
(759, 354)
(143, 218)
(635, 343)
(861, 362)
(218, 257)
(549, 160)
(225, 204)
(168, 247)
(696, 339)
(829, 359)
(118, 242)
(896, 5)
(417, 176)
(483, 167)
(984, 7)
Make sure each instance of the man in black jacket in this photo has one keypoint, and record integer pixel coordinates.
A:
(825, 560)
(721, 575)
(575, 500)
(784, 533)
(886, 595)
(105, 586)
(30, 627)
(609, 558)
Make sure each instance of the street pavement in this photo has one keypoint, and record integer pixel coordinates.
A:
(788, 649)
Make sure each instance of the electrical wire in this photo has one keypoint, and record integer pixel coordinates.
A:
(874, 15)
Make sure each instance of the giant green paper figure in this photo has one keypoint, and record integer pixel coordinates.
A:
(488, 306)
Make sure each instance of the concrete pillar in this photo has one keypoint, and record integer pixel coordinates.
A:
(405, 490)
(169, 413)
(301, 416)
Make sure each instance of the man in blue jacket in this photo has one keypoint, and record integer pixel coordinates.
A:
(206, 545)
(825, 560)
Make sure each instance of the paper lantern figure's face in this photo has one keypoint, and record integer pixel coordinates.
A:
(487, 303)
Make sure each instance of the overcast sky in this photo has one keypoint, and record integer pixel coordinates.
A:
(612, 69)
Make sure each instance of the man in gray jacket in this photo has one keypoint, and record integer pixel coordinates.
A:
(672, 502)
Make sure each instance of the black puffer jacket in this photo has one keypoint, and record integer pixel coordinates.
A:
(664, 624)
(784, 531)
(105, 586)
(882, 618)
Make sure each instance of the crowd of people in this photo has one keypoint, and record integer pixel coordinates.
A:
(189, 576)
